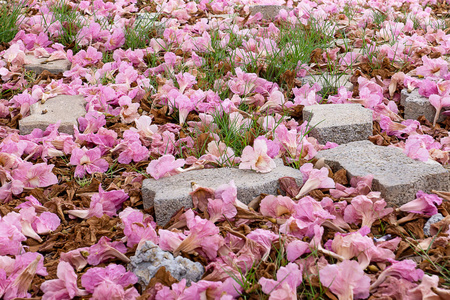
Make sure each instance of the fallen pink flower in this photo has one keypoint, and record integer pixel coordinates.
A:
(439, 101)
(297, 248)
(110, 283)
(203, 235)
(400, 269)
(364, 210)
(285, 287)
(105, 250)
(165, 166)
(316, 179)
(137, 227)
(346, 280)
(77, 258)
(19, 284)
(102, 203)
(88, 161)
(423, 204)
(65, 287)
(277, 206)
(256, 158)
(428, 289)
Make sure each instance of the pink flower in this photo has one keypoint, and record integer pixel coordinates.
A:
(77, 257)
(243, 83)
(428, 289)
(65, 287)
(102, 203)
(185, 81)
(277, 206)
(128, 109)
(105, 250)
(91, 122)
(439, 102)
(165, 166)
(365, 210)
(265, 238)
(137, 228)
(19, 281)
(85, 58)
(357, 244)
(285, 287)
(256, 158)
(11, 238)
(203, 235)
(88, 161)
(110, 283)
(115, 40)
(131, 148)
(38, 175)
(346, 280)
(431, 67)
(405, 269)
(415, 148)
(423, 204)
(315, 179)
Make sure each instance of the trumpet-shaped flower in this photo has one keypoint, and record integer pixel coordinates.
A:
(110, 282)
(439, 102)
(165, 166)
(423, 204)
(364, 210)
(277, 206)
(256, 158)
(65, 287)
(405, 269)
(105, 250)
(102, 203)
(88, 161)
(346, 280)
(315, 179)
(285, 287)
(137, 227)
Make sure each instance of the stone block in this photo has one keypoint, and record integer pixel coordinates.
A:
(397, 176)
(150, 258)
(64, 108)
(169, 194)
(339, 123)
(416, 105)
(38, 65)
(269, 12)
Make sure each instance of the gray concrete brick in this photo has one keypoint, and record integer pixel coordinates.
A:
(397, 176)
(339, 123)
(416, 105)
(269, 12)
(38, 65)
(169, 194)
(64, 108)
(329, 81)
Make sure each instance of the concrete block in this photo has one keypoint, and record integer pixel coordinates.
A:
(397, 176)
(169, 194)
(64, 108)
(269, 12)
(329, 81)
(38, 65)
(339, 123)
(416, 105)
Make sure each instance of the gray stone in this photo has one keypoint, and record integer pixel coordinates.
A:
(434, 219)
(329, 81)
(397, 176)
(38, 65)
(416, 105)
(269, 12)
(149, 258)
(169, 194)
(339, 123)
(64, 108)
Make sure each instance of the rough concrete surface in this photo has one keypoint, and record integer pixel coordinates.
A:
(416, 105)
(38, 65)
(339, 123)
(397, 176)
(64, 108)
(150, 258)
(169, 194)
